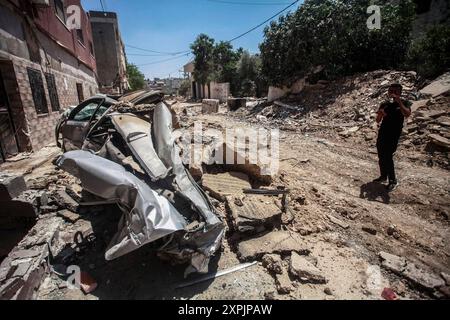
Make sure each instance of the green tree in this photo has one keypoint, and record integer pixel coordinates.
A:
(203, 51)
(136, 78)
(333, 34)
(430, 54)
(251, 81)
(225, 64)
(184, 87)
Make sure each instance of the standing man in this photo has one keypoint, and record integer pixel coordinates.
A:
(391, 115)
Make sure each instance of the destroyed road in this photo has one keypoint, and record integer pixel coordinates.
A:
(347, 239)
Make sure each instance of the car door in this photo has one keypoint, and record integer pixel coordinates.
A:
(75, 129)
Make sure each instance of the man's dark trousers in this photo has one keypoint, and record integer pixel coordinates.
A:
(386, 146)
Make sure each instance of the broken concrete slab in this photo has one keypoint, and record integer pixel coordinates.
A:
(225, 184)
(283, 283)
(24, 271)
(304, 270)
(439, 140)
(65, 201)
(11, 186)
(392, 262)
(422, 277)
(253, 212)
(446, 278)
(338, 222)
(210, 106)
(68, 215)
(411, 271)
(273, 242)
(42, 232)
(438, 87)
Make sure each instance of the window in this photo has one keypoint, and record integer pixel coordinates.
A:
(38, 91)
(80, 35)
(86, 113)
(80, 92)
(52, 91)
(59, 10)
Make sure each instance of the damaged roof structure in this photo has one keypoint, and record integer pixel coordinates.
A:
(129, 157)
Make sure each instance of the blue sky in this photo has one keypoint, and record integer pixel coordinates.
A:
(172, 25)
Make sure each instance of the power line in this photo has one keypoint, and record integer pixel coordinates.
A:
(102, 5)
(154, 51)
(165, 60)
(264, 22)
(250, 3)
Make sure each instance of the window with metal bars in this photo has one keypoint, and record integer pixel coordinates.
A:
(52, 91)
(37, 91)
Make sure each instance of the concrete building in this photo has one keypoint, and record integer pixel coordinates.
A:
(109, 52)
(45, 66)
(212, 90)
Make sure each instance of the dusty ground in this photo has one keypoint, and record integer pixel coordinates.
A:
(329, 173)
(327, 177)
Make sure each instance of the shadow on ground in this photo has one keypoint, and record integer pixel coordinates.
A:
(374, 191)
(138, 275)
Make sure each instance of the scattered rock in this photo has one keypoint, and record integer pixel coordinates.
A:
(370, 229)
(273, 263)
(304, 270)
(283, 283)
(273, 242)
(225, 184)
(11, 186)
(338, 222)
(253, 212)
(411, 271)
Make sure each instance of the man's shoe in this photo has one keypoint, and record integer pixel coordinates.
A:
(380, 180)
(392, 186)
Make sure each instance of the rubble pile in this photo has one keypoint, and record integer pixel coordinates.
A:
(346, 109)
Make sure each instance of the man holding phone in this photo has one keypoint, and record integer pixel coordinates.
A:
(391, 115)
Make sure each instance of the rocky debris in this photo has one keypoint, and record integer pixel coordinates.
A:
(274, 242)
(27, 204)
(438, 87)
(439, 141)
(68, 215)
(64, 201)
(446, 278)
(236, 103)
(225, 184)
(253, 212)
(210, 105)
(304, 270)
(411, 271)
(22, 272)
(273, 263)
(283, 283)
(369, 229)
(42, 232)
(338, 222)
(11, 186)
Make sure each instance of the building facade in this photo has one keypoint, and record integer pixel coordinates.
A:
(109, 52)
(45, 66)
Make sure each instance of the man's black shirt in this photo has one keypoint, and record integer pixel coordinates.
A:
(392, 124)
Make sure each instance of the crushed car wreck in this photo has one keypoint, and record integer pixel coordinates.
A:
(124, 152)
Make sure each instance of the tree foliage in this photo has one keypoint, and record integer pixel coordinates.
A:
(220, 62)
(203, 50)
(430, 55)
(334, 34)
(136, 78)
